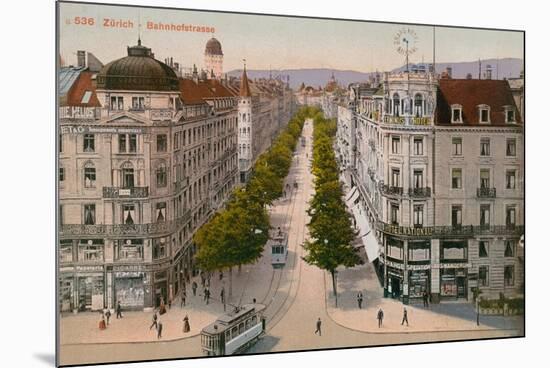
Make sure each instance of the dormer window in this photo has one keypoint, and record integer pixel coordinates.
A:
(456, 117)
(510, 114)
(484, 114)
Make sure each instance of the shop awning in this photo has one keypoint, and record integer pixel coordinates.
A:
(371, 246)
(351, 197)
(360, 219)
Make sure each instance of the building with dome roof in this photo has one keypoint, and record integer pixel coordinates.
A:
(213, 57)
(145, 158)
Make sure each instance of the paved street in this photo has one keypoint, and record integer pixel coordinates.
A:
(295, 296)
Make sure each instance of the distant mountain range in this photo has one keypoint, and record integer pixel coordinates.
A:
(501, 68)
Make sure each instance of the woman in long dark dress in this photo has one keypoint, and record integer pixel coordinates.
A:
(186, 327)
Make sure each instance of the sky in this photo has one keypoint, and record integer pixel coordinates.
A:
(271, 42)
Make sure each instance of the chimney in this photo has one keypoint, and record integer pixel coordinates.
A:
(450, 72)
(488, 72)
(469, 76)
(81, 58)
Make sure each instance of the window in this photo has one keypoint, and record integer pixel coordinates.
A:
(128, 213)
(89, 214)
(419, 251)
(138, 103)
(60, 143)
(65, 251)
(122, 143)
(133, 143)
(418, 215)
(395, 141)
(483, 249)
(457, 146)
(159, 248)
(484, 178)
(510, 147)
(418, 105)
(395, 178)
(457, 115)
(418, 179)
(456, 181)
(128, 177)
(396, 104)
(485, 149)
(89, 143)
(509, 248)
(484, 114)
(510, 114)
(456, 215)
(484, 215)
(483, 276)
(510, 216)
(161, 176)
(510, 179)
(89, 176)
(86, 97)
(61, 174)
(161, 143)
(160, 211)
(508, 275)
(394, 215)
(117, 103)
(452, 251)
(129, 249)
(90, 250)
(418, 146)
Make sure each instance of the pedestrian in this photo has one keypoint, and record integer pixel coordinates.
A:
(254, 300)
(425, 298)
(203, 279)
(222, 295)
(194, 287)
(186, 327)
(162, 306)
(360, 299)
(183, 296)
(169, 303)
(102, 325)
(108, 315)
(380, 317)
(159, 329)
(155, 323)
(118, 310)
(405, 319)
(221, 275)
(207, 295)
(318, 324)
(284, 194)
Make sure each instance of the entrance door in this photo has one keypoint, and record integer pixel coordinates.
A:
(84, 293)
(461, 287)
(395, 287)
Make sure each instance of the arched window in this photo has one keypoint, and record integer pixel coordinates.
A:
(396, 104)
(418, 105)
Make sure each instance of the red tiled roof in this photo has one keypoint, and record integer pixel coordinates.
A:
(82, 84)
(218, 89)
(192, 93)
(470, 93)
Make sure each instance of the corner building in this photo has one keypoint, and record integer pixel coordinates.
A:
(144, 159)
(437, 173)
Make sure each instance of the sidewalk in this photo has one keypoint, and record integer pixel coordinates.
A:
(442, 317)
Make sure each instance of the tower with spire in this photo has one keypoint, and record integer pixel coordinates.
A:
(245, 127)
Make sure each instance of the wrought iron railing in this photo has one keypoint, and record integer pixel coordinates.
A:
(452, 231)
(486, 192)
(125, 229)
(391, 190)
(420, 192)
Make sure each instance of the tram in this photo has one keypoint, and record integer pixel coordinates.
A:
(279, 248)
(234, 332)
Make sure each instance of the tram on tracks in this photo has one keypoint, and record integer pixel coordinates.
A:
(234, 332)
(279, 248)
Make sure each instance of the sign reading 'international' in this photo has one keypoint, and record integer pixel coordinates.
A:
(410, 231)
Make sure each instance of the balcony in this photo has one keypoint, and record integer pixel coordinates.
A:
(162, 114)
(420, 192)
(391, 190)
(486, 192)
(452, 231)
(132, 192)
(124, 229)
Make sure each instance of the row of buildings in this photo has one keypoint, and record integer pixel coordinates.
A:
(145, 158)
(435, 172)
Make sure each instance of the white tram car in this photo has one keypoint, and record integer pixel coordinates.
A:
(279, 248)
(233, 332)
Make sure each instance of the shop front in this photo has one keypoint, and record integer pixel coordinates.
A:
(66, 290)
(419, 282)
(91, 287)
(161, 287)
(395, 282)
(454, 283)
(129, 289)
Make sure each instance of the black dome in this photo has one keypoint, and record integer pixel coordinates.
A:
(213, 47)
(138, 71)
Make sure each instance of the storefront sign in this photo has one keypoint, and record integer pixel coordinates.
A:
(408, 231)
(128, 274)
(100, 129)
(66, 269)
(89, 268)
(128, 268)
